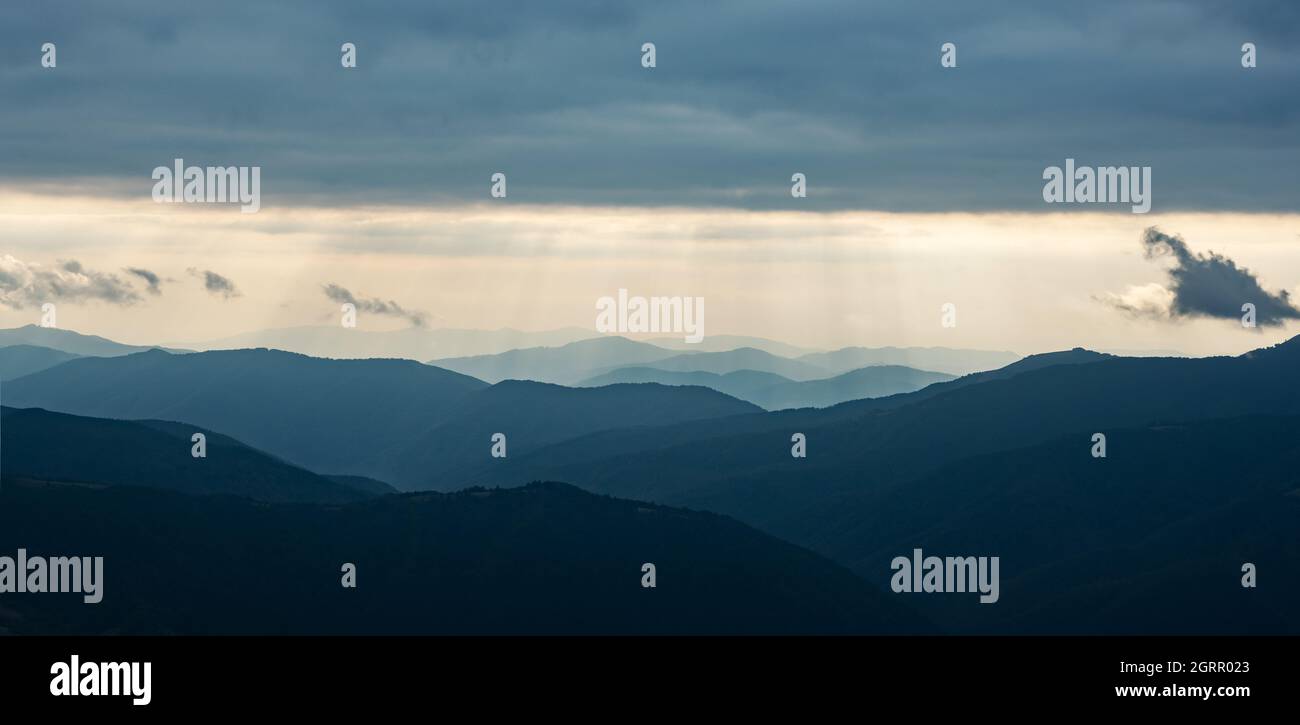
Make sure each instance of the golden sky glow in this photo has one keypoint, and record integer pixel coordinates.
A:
(1023, 282)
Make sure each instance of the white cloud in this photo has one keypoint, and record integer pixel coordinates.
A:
(1152, 301)
(31, 285)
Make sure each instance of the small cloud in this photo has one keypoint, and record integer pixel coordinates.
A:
(215, 283)
(31, 285)
(150, 279)
(1151, 301)
(1200, 285)
(374, 305)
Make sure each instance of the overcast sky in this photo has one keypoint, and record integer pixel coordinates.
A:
(924, 183)
(745, 93)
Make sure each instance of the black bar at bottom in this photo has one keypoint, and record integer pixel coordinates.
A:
(206, 675)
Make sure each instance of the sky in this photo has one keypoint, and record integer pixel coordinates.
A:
(924, 182)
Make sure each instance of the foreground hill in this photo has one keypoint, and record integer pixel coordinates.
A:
(1149, 539)
(542, 559)
(42, 445)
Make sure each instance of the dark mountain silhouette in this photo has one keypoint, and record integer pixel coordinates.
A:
(856, 454)
(1149, 539)
(68, 341)
(953, 361)
(1076, 356)
(399, 421)
(533, 415)
(1199, 478)
(613, 443)
(42, 445)
(364, 484)
(565, 365)
(542, 559)
(19, 360)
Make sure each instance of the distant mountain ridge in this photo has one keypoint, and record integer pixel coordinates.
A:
(414, 343)
(723, 343)
(868, 382)
(577, 362)
(774, 392)
(562, 365)
(69, 342)
(19, 360)
(745, 358)
(953, 361)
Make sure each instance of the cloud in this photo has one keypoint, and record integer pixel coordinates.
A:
(745, 94)
(374, 305)
(215, 283)
(1201, 285)
(31, 285)
(1152, 301)
(151, 279)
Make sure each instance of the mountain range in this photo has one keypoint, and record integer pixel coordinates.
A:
(1198, 477)
(399, 421)
(412, 343)
(68, 341)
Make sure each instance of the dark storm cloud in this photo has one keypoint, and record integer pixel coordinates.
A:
(746, 93)
(374, 305)
(215, 283)
(1211, 285)
(150, 279)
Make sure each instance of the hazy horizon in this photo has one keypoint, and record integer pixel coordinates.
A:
(812, 279)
